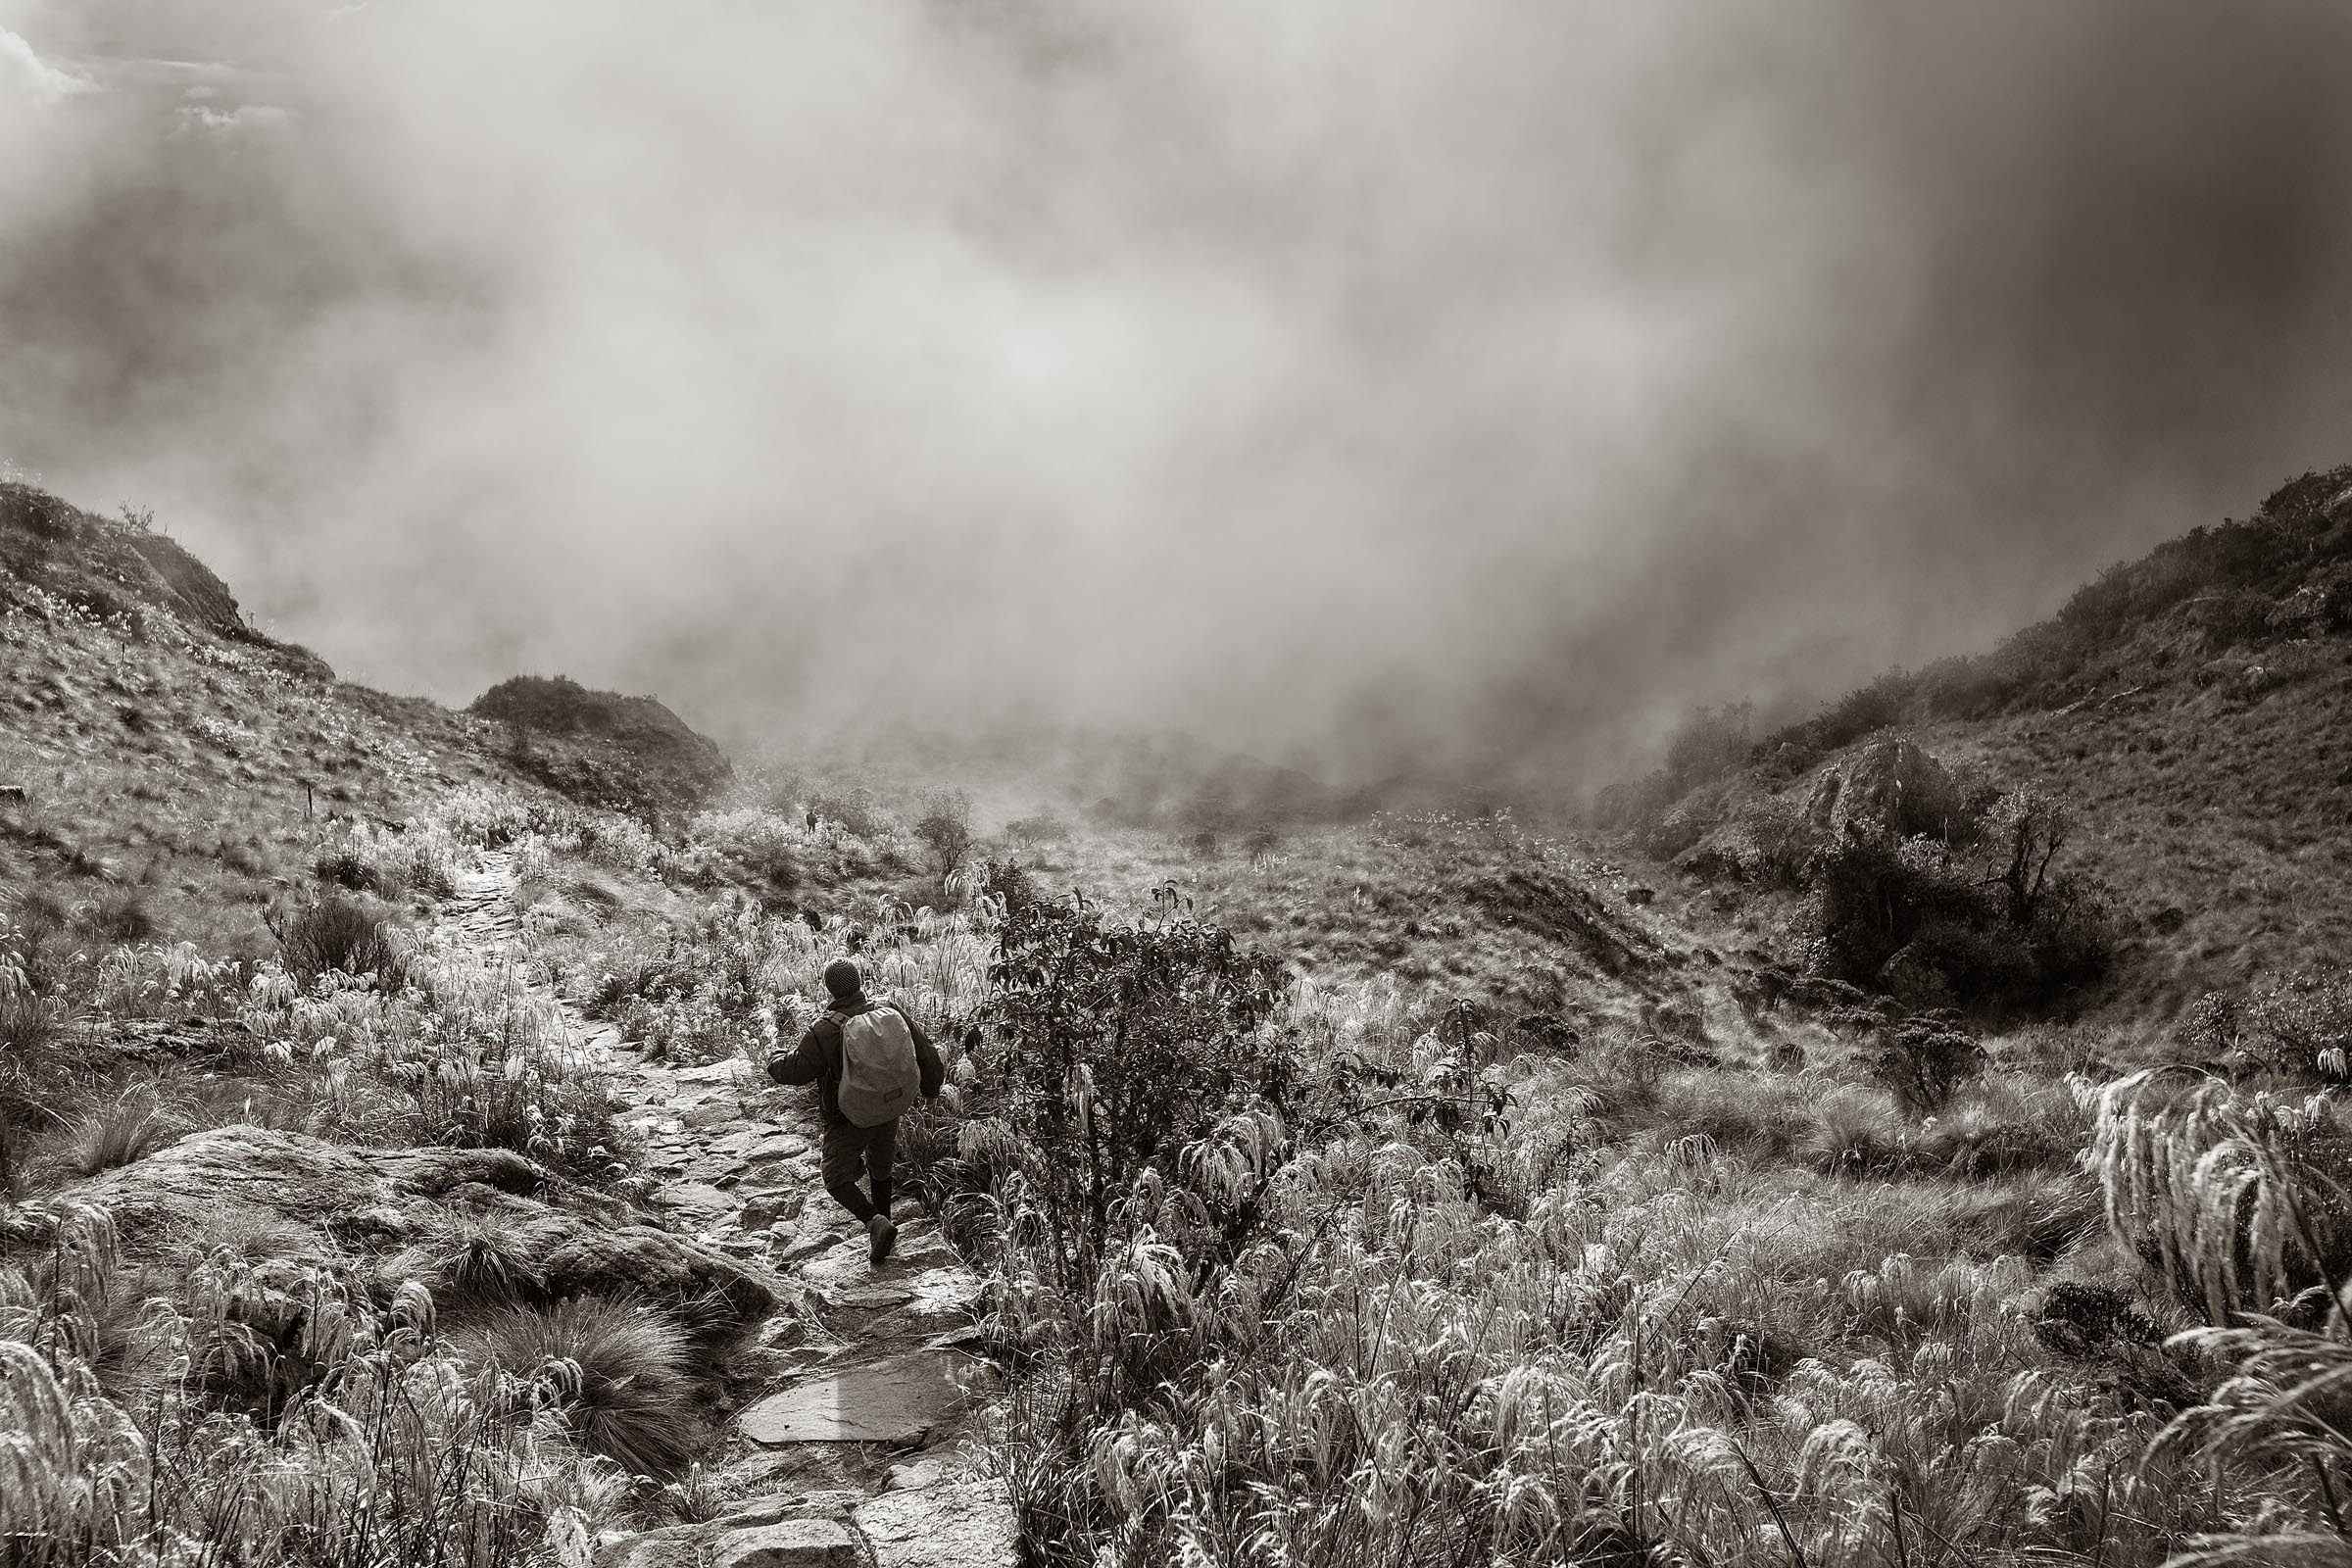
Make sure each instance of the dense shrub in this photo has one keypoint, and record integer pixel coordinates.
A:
(1998, 923)
(1923, 1059)
(945, 831)
(1120, 1043)
(339, 934)
(2299, 1025)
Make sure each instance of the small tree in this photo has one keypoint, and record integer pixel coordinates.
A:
(946, 830)
(2025, 830)
(1031, 831)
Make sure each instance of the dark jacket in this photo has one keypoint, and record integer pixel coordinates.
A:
(816, 1059)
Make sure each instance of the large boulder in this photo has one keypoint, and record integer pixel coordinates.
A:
(283, 1194)
(1886, 788)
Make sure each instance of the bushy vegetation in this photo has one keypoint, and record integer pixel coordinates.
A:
(1396, 1288)
(1993, 921)
(266, 1415)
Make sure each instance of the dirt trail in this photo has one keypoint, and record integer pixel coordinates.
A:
(853, 1406)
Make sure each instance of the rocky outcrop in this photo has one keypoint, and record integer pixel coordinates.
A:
(299, 1196)
(1886, 788)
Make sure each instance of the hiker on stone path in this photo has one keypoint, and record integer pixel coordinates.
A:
(868, 1060)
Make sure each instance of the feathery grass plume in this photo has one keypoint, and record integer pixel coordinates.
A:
(2247, 1217)
(2227, 1194)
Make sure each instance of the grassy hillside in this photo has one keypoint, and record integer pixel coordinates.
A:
(629, 752)
(2189, 710)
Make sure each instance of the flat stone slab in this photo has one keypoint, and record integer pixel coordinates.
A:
(898, 1401)
(785, 1543)
(968, 1525)
(693, 1196)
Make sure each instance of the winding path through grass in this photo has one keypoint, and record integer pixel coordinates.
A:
(854, 1406)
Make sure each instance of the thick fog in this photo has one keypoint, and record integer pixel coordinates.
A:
(1369, 382)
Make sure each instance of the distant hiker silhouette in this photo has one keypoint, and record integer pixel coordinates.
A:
(869, 1061)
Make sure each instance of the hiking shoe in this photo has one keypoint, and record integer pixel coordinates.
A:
(885, 1235)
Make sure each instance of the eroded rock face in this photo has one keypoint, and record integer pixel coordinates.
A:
(296, 1196)
(1888, 788)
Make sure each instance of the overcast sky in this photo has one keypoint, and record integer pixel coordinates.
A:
(1339, 378)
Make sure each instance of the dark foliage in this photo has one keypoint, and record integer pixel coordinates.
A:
(945, 830)
(1925, 922)
(336, 933)
(1120, 1043)
(1923, 1061)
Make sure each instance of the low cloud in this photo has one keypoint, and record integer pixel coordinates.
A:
(1378, 383)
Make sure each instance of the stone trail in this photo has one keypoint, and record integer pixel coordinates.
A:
(854, 1406)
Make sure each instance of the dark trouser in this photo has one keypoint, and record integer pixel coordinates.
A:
(848, 1149)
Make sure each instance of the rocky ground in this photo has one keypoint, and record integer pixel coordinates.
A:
(855, 1400)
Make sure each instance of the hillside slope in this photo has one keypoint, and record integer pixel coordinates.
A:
(170, 759)
(630, 753)
(2195, 708)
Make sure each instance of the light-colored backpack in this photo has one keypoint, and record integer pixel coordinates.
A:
(879, 1075)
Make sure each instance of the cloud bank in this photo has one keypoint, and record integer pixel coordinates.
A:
(1363, 380)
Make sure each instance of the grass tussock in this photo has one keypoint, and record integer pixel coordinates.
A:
(620, 1374)
(264, 1416)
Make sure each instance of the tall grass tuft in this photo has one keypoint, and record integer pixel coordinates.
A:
(120, 1132)
(619, 1372)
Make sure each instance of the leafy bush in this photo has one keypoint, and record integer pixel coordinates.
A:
(1042, 827)
(1120, 1044)
(2300, 1026)
(1922, 1061)
(1928, 922)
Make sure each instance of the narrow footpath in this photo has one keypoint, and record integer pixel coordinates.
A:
(855, 1405)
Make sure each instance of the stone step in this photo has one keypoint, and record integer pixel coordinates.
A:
(898, 1401)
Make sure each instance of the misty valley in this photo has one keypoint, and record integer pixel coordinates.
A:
(1015, 784)
(1911, 1134)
